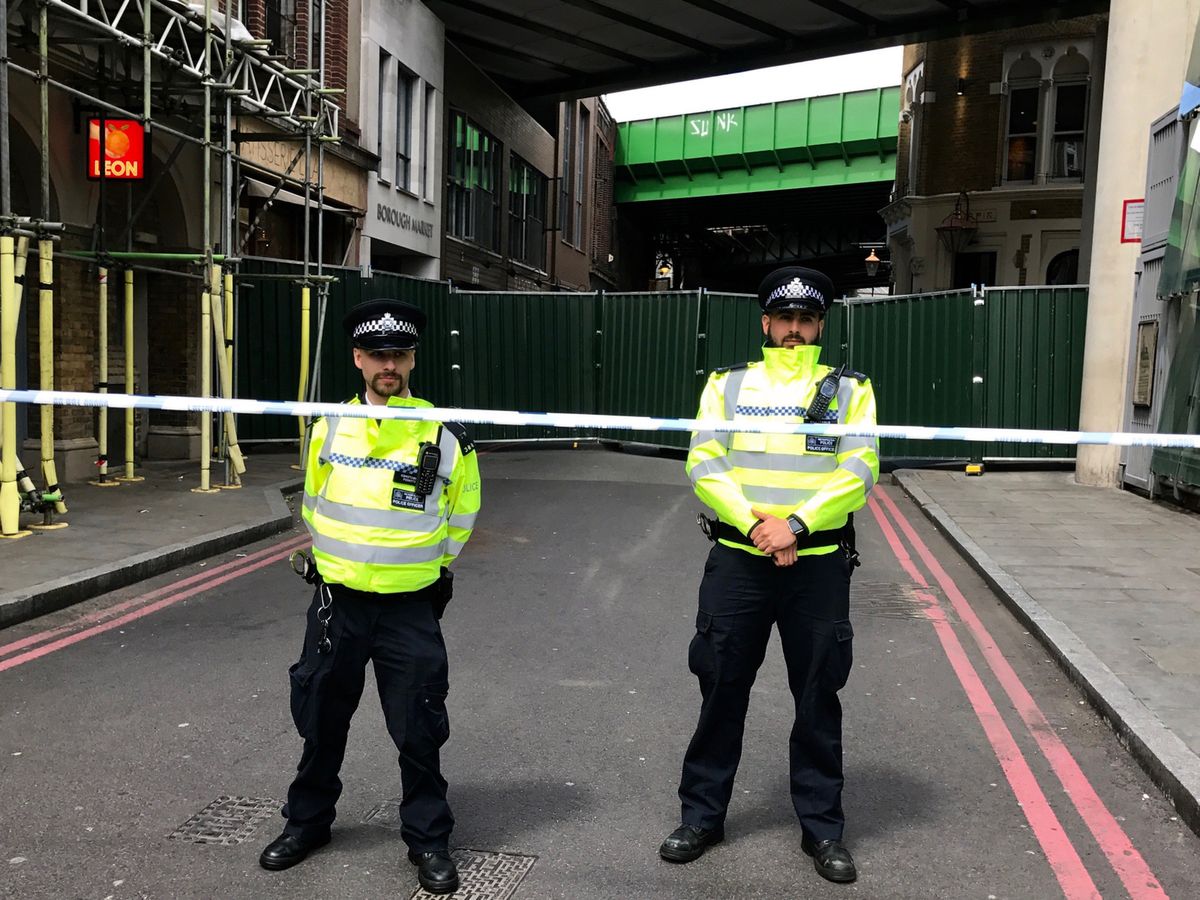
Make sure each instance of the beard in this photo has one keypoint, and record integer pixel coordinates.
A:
(799, 338)
(388, 388)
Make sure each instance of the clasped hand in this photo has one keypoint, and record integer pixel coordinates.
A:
(773, 537)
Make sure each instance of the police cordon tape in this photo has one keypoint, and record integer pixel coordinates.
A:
(587, 420)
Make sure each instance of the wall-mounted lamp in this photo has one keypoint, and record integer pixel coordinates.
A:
(962, 86)
(871, 263)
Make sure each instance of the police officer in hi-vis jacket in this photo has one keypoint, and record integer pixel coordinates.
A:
(389, 504)
(782, 556)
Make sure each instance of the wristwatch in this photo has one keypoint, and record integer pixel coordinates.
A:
(798, 527)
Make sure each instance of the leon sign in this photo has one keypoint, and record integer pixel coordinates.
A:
(123, 149)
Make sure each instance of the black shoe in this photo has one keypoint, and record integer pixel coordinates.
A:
(831, 860)
(436, 871)
(287, 850)
(687, 842)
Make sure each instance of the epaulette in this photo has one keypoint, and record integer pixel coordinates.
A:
(459, 430)
(850, 373)
(723, 369)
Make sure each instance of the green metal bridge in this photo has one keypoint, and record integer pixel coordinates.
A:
(730, 194)
(840, 139)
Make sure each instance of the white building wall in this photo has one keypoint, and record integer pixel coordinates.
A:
(399, 220)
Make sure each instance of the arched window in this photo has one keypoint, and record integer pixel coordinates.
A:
(1069, 145)
(1064, 268)
(1024, 99)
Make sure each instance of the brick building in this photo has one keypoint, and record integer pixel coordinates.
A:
(1004, 128)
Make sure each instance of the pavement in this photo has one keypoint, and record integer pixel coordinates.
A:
(1110, 584)
(1108, 581)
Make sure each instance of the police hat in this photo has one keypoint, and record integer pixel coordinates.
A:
(384, 325)
(794, 287)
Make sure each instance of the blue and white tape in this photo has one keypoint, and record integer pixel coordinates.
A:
(584, 420)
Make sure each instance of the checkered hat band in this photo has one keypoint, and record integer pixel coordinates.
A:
(796, 290)
(384, 325)
(369, 462)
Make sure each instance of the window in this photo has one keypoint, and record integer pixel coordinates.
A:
(1024, 98)
(1046, 115)
(580, 186)
(404, 96)
(1069, 142)
(566, 168)
(473, 184)
(526, 213)
(281, 27)
(380, 112)
(427, 120)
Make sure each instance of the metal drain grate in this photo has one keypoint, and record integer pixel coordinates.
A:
(227, 820)
(887, 599)
(484, 875)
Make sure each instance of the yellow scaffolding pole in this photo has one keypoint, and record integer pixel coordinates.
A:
(302, 391)
(206, 362)
(129, 386)
(102, 479)
(46, 358)
(10, 498)
(238, 464)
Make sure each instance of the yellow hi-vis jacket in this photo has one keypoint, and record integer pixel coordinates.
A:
(818, 479)
(371, 531)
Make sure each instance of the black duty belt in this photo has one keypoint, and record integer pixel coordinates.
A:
(715, 529)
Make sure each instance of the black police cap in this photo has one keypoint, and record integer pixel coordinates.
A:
(384, 325)
(795, 287)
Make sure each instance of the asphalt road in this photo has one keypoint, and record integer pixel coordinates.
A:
(974, 769)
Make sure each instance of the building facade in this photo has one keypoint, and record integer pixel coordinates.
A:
(996, 158)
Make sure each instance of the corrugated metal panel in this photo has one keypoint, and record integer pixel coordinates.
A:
(649, 359)
(524, 351)
(1034, 339)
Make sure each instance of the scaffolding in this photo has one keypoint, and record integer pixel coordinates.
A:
(152, 61)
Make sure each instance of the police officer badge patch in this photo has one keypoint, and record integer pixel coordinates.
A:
(403, 499)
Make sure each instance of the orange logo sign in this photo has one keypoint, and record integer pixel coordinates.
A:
(124, 149)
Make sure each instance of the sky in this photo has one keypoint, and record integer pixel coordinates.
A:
(838, 74)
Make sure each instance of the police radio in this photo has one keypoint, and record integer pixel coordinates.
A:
(826, 391)
(429, 458)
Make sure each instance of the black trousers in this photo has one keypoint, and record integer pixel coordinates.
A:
(741, 597)
(400, 634)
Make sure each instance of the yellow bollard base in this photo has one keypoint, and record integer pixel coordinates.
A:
(108, 482)
(974, 469)
(236, 486)
(296, 467)
(53, 526)
(129, 479)
(209, 490)
(15, 535)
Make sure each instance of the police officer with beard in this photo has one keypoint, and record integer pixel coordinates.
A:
(782, 556)
(389, 504)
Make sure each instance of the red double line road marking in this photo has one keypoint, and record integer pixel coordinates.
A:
(144, 605)
(1124, 858)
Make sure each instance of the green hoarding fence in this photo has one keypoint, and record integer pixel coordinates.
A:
(998, 357)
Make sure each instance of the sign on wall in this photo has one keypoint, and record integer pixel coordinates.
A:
(1133, 214)
(123, 149)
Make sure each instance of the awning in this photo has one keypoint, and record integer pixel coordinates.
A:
(256, 188)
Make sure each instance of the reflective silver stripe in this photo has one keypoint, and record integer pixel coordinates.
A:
(331, 428)
(454, 547)
(374, 554)
(718, 465)
(782, 462)
(463, 520)
(703, 437)
(733, 387)
(793, 497)
(861, 469)
(848, 443)
(447, 444)
(845, 391)
(393, 519)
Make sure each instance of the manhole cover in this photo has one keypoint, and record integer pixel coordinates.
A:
(886, 599)
(484, 875)
(227, 820)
